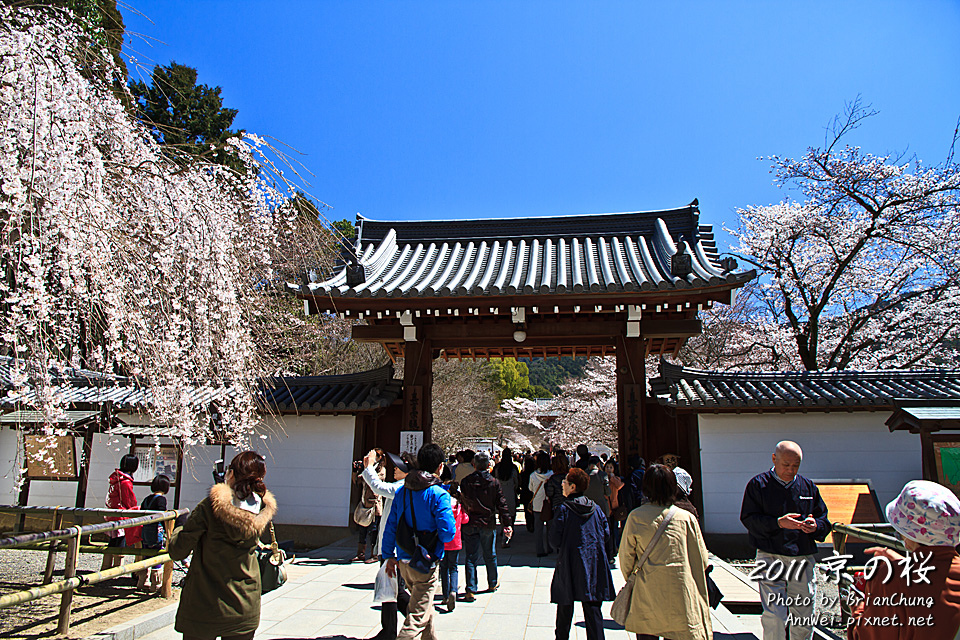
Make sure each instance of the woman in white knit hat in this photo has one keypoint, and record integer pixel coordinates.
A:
(923, 604)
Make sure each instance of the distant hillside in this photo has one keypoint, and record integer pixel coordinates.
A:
(552, 372)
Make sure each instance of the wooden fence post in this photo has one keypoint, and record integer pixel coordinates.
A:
(52, 554)
(166, 587)
(69, 571)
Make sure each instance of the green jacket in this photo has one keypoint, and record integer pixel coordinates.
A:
(221, 593)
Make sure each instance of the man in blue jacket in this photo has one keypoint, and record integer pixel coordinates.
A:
(785, 516)
(425, 507)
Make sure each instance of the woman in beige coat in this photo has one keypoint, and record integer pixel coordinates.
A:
(670, 593)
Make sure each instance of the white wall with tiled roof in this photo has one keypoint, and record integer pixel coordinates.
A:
(308, 470)
(836, 445)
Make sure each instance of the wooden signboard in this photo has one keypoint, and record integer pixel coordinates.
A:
(850, 502)
(413, 408)
(50, 457)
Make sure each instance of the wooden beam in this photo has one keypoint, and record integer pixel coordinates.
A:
(581, 332)
(584, 300)
(656, 328)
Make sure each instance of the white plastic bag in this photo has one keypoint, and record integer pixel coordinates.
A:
(385, 588)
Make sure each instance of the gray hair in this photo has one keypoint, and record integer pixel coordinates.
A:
(481, 460)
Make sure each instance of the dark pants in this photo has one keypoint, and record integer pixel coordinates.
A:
(591, 616)
(245, 636)
(616, 531)
(388, 611)
(479, 541)
(449, 573)
(368, 535)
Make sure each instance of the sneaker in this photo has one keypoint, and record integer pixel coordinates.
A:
(451, 601)
(469, 597)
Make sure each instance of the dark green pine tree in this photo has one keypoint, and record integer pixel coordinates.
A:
(184, 115)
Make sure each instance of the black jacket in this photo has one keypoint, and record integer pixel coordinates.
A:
(553, 489)
(482, 497)
(765, 500)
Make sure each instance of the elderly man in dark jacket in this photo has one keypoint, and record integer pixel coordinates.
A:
(585, 545)
(482, 498)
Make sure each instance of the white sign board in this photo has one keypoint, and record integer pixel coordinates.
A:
(411, 441)
(154, 461)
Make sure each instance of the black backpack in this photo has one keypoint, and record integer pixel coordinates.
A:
(153, 535)
(419, 545)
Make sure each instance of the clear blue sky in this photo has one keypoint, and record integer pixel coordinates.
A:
(432, 110)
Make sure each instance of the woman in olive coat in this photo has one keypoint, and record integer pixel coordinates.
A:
(221, 593)
(582, 538)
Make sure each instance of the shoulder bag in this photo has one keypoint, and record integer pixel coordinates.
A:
(272, 572)
(364, 516)
(546, 509)
(621, 605)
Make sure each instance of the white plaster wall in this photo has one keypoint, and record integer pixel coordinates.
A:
(736, 447)
(308, 469)
(8, 465)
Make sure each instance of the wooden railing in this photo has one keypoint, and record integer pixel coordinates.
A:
(69, 540)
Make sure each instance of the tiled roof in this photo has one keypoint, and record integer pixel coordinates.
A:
(28, 417)
(585, 253)
(934, 413)
(710, 390)
(351, 392)
(363, 391)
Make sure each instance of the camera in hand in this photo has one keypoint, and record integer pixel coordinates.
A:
(218, 472)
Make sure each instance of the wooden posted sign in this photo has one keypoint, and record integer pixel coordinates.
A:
(413, 408)
(50, 457)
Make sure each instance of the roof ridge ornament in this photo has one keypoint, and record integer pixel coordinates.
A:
(681, 263)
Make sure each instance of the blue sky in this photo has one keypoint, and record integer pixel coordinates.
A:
(434, 110)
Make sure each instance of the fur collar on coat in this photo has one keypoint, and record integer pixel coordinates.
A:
(246, 523)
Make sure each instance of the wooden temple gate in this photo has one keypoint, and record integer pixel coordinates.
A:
(626, 285)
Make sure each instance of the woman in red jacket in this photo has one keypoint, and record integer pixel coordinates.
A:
(121, 496)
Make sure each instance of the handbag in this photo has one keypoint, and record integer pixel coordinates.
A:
(546, 513)
(546, 508)
(619, 513)
(364, 516)
(713, 591)
(621, 605)
(272, 572)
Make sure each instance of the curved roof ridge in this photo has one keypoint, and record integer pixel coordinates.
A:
(815, 390)
(563, 216)
(681, 371)
(384, 374)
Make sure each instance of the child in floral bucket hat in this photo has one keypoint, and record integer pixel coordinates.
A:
(917, 598)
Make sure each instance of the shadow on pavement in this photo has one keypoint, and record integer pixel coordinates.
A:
(368, 586)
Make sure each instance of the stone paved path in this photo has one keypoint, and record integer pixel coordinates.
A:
(327, 597)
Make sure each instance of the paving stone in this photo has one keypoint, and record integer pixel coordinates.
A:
(327, 598)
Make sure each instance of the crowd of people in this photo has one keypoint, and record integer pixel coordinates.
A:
(580, 508)
(575, 505)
